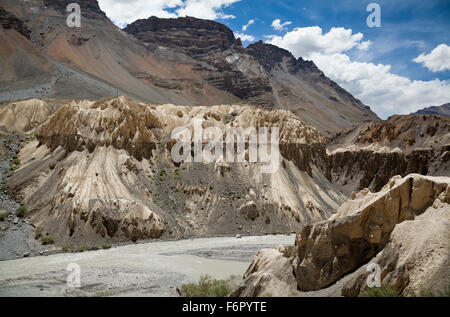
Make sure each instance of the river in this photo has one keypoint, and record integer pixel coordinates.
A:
(147, 269)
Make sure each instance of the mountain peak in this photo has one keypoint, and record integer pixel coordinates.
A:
(91, 6)
(203, 37)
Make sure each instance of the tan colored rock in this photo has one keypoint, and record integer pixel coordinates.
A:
(269, 275)
(103, 170)
(250, 210)
(364, 226)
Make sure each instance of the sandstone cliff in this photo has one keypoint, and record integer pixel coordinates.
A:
(404, 229)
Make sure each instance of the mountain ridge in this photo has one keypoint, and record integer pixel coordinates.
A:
(209, 68)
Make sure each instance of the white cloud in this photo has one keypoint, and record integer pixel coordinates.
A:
(386, 93)
(245, 27)
(304, 41)
(244, 37)
(122, 12)
(206, 9)
(438, 60)
(277, 25)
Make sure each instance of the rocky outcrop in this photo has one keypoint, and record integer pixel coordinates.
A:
(270, 274)
(122, 124)
(27, 115)
(327, 251)
(416, 259)
(10, 21)
(443, 110)
(367, 156)
(90, 8)
(195, 37)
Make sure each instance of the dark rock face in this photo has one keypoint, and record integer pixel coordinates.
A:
(378, 168)
(10, 21)
(88, 7)
(269, 55)
(194, 37)
(443, 110)
(412, 144)
(208, 42)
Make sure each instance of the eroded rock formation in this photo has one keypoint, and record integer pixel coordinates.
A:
(327, 251)
(104, 170)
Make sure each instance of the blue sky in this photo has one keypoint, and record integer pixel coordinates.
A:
(381, 66)
(408, 27)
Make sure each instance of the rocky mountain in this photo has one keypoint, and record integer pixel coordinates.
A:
(393, 228)
(443, 110)
(260, 74)
(183, 61)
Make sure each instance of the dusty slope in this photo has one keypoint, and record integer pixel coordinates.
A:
(99, 54)
(443, 110)
(404, 228)
(103, 171)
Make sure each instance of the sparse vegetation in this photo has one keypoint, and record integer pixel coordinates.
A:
(66, 247)
(206, 287)
(104, 294)
(106, 246)
(48, 240)
(37, 233)
(383, 291)
(428, 293)
(82, 248)
(21, 211)
(289, 252)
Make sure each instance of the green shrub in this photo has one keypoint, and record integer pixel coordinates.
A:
(37, 233)
(82, 248)
(445, 292)
(383, 291)
(104, 294)
(66, 247)
(48, 240)
(106, 246)
(206, 287)
(21, 211)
